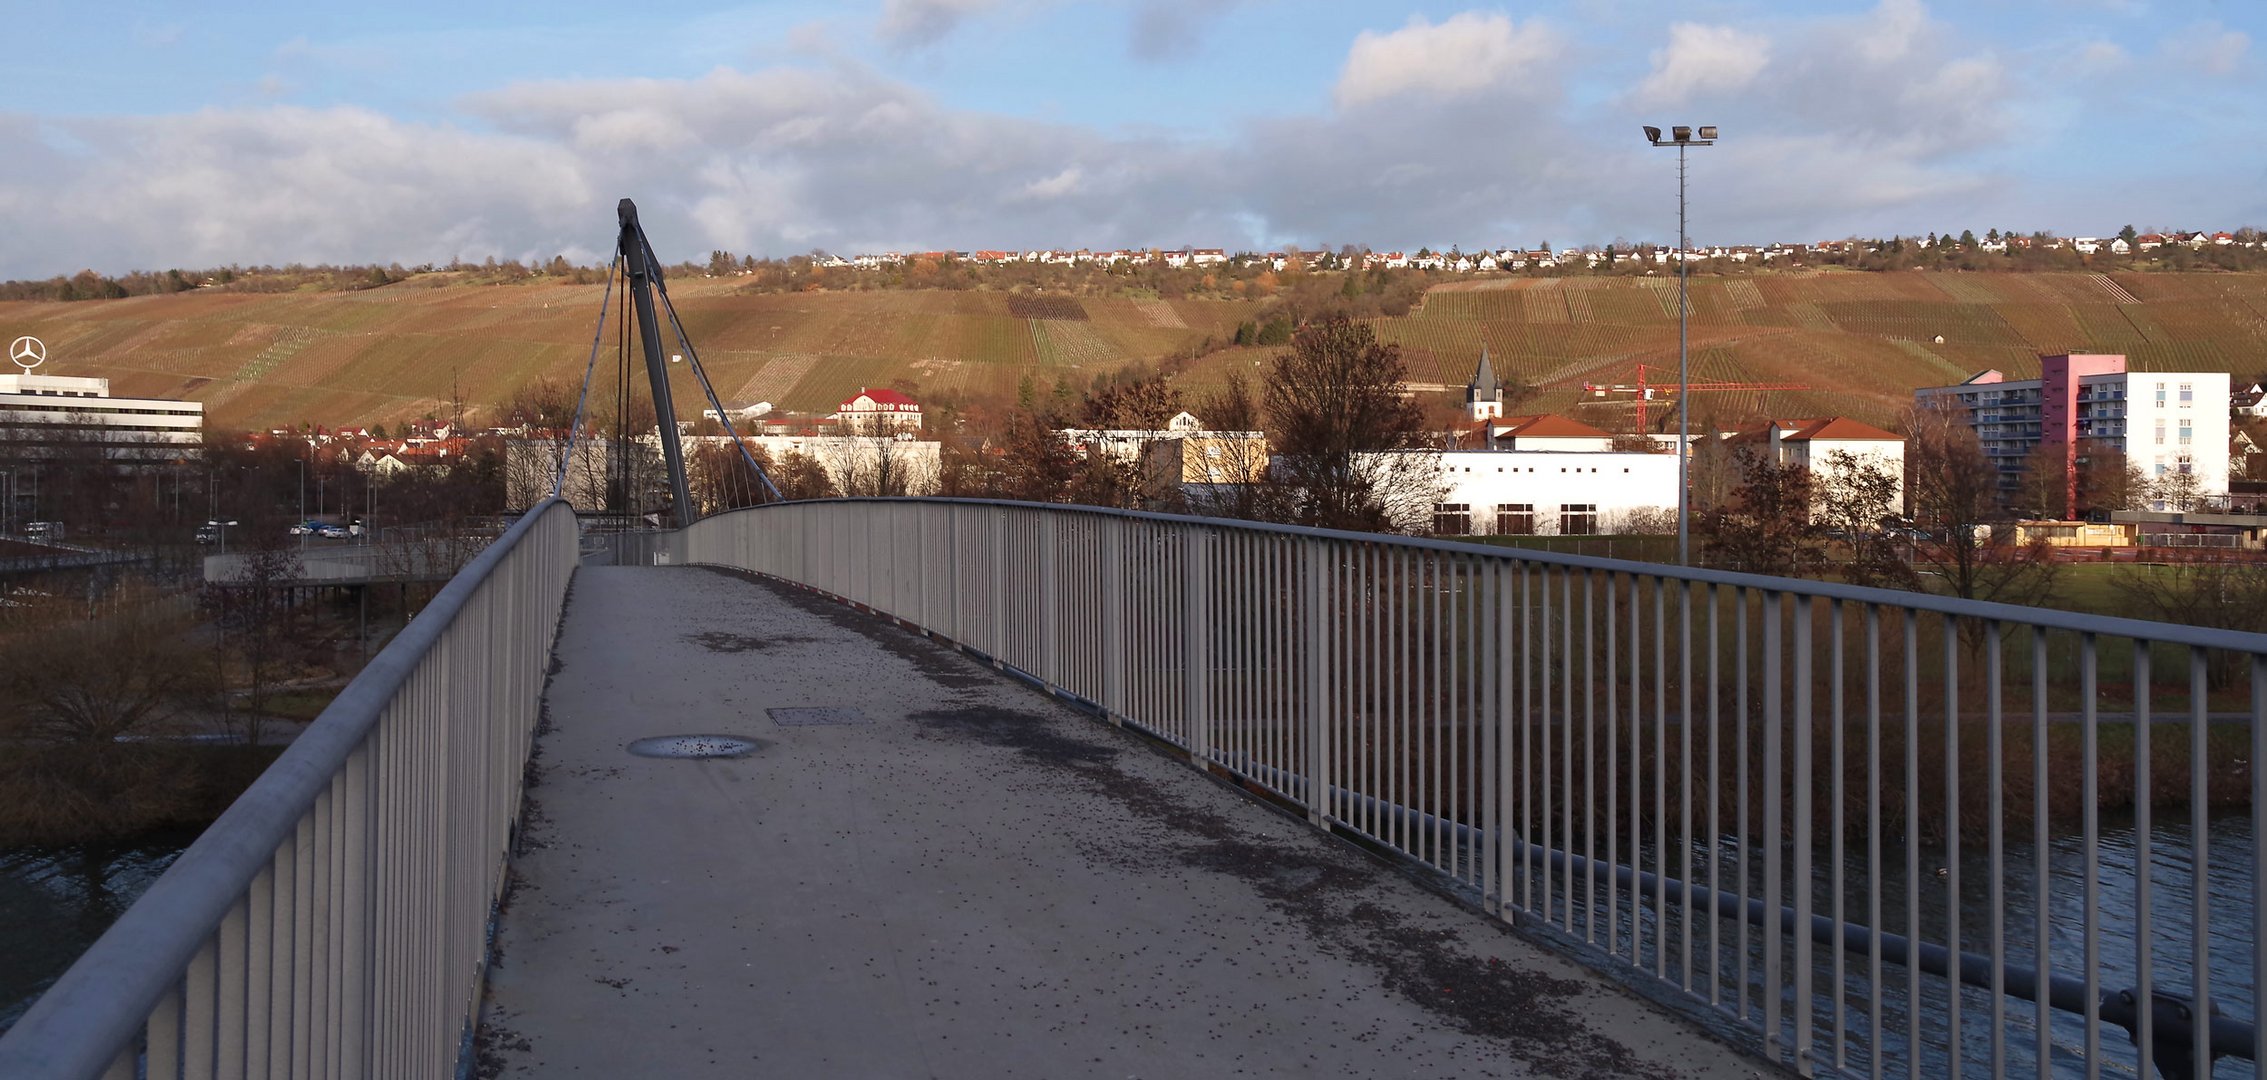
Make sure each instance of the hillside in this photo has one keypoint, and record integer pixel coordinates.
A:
(1859, 340)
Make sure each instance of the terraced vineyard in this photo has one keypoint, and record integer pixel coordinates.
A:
(1859, 341)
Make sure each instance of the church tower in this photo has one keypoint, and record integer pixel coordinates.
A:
(1484, 397)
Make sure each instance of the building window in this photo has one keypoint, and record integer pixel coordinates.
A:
(2160, 433)
(2188, 393)
(2160, 395)
(1515, 519)
(2185, 432)
(1452, 519)
(1578, 519)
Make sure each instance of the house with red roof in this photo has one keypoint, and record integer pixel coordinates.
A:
(1813, 442)
(1546, 431)
(879, 409)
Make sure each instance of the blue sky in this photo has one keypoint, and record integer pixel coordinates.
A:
(138, 136)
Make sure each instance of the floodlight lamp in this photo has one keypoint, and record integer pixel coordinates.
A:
(1653, 134)
(1682, 133)
(1708, 132)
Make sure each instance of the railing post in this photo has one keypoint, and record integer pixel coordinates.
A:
(1317, 680)
(1196, 653)
(1050, 602)
(996, 620)
(1114, 620)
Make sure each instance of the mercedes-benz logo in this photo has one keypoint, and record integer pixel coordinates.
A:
(28, 352)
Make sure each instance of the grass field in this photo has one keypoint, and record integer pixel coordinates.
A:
(1858, 341)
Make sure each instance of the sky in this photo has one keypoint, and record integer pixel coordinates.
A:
(142, 136)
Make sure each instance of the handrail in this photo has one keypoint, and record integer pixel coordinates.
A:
(98, 1008)
(1934, 603)
(2229, 1037)
(1570, 708)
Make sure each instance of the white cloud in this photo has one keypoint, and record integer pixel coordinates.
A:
(1466, 53)
(1702, 59)
(1448, 132)
(1056, 186)
(913, 23)
(2208, 47)
(285, 184)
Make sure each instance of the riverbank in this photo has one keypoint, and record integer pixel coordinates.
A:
(74, 794)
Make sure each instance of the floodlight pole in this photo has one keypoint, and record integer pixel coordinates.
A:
(1681, 137)
(1684, 374)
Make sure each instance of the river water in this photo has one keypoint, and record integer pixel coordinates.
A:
(54, 902)
(2228, 911)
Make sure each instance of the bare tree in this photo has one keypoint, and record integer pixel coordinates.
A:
(870, 459)
(1347, 443)
(2108, 481)
(1857, 499)
(2044, 491)
(721, 477)
(1954, 490)
(261, 621)
(1765, 526)
(1034, 462)
(65, 677)
(1237, 483)
(543, 411)
(2179, 490)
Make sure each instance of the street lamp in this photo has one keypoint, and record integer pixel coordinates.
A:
(1680, 137)
(302, 504)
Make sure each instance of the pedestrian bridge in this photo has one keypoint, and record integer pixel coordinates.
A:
(986, 789)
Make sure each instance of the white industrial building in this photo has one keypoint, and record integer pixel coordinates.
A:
(41, 414)
(1547, 493)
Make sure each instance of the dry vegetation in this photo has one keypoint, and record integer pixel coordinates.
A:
(1859, 340)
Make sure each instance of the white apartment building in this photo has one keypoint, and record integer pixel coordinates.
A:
(2162, 421)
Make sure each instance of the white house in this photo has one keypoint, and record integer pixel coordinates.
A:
(2249, 404)
(872, 409)
(1812, 444)
(1125, 444)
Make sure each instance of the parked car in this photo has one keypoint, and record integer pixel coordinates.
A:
(328, 531)
(43, 530)
(208, 533)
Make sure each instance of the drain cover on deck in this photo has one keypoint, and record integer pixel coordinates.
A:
(694, 746)
(816, 717)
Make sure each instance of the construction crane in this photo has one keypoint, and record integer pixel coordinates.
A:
(1647, 391)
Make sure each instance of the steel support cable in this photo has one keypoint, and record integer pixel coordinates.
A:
(661, 288)
(574, 428)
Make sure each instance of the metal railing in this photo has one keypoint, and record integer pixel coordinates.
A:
(333, 922)
(1871, 832)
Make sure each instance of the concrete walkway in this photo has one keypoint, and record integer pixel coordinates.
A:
(974, 882)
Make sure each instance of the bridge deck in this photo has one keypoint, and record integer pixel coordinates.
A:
(975, 882)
